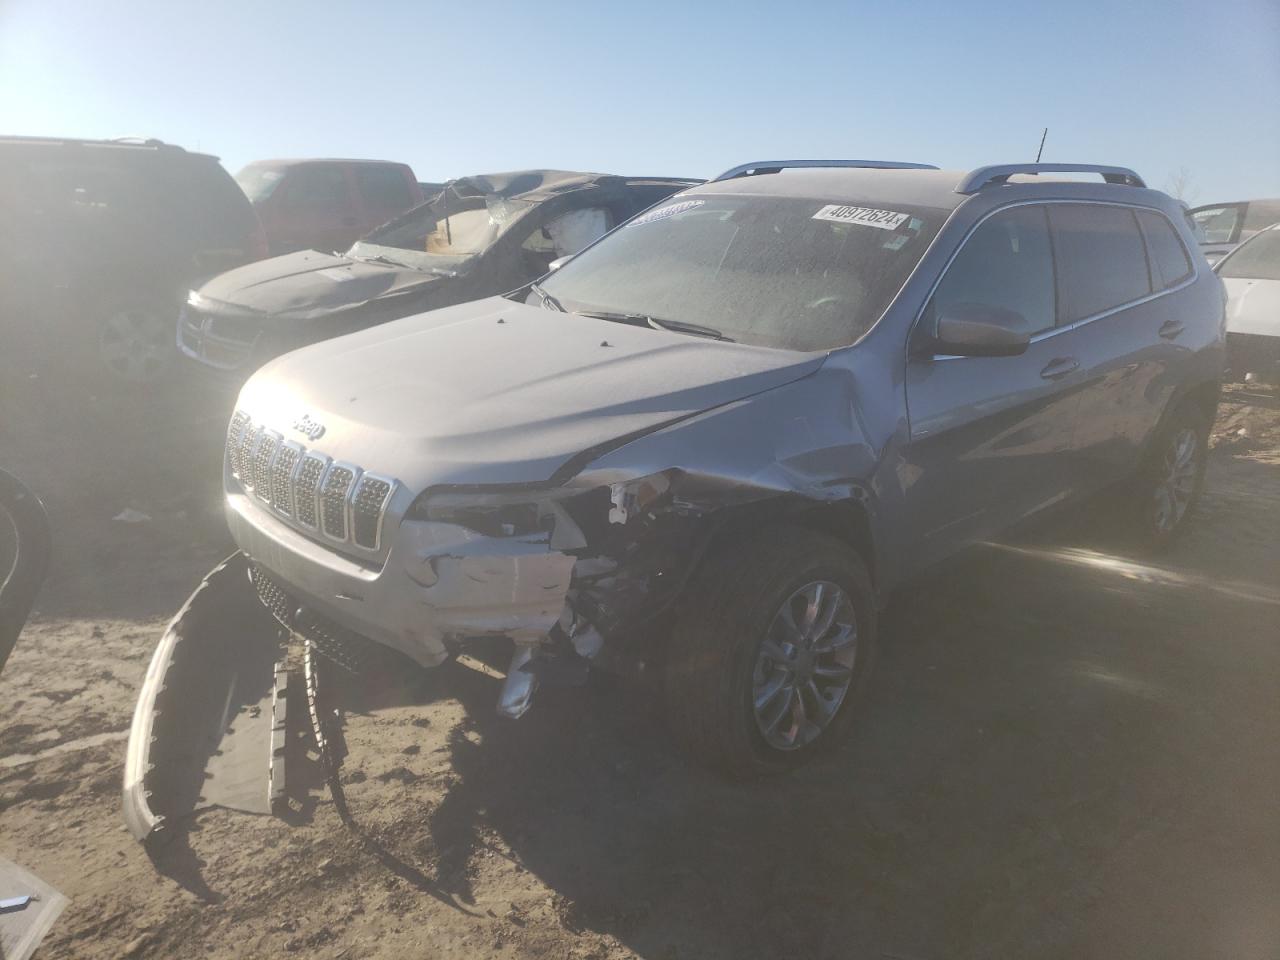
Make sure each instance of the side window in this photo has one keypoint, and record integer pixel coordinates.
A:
(1170, 264)
(382, 188)
(1007, 262)
(569, 232)
(315, 190)
(1100, 259)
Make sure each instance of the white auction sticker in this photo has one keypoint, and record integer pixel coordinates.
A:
(337, 274)
(663, 212)
(881, 219)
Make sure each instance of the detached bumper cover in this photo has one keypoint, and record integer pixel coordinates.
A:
(206, 727)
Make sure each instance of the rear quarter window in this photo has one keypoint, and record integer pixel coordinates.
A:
(1100, 259)
(1170, 264)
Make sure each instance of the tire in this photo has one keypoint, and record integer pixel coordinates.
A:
(1167, 486)
(719, 660)
(135, 343)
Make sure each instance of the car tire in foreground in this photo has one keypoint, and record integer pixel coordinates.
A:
(1171, 478)
(771, 652)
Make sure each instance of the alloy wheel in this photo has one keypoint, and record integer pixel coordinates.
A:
(134, 345)
(1177, 481)
(805, 665)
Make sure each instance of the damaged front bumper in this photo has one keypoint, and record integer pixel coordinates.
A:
(440, 583)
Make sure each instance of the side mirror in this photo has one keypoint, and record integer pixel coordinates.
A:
(559, 262)
(981, 330)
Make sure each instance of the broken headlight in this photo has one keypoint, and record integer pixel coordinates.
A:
(515, 514)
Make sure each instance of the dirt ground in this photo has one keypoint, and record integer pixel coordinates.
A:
(1068, 752)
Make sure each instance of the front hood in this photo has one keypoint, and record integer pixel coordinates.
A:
(1253, 306)
(498, 392)
(308, 285)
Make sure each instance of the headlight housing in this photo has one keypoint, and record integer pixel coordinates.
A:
(521, 513)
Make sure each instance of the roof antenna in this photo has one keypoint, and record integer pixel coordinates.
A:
(1041, 150)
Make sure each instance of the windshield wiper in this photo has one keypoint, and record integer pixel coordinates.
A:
(671, 326)
(382, 258)
(548, 300)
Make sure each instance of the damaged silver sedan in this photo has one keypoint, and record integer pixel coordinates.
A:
(703, 449)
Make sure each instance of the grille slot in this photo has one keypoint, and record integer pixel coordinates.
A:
(336, 500)
(235, 435)
(249, 440)
(366, 510)
(261, 469)
(305, 487)
(282, 477)
(333, 500)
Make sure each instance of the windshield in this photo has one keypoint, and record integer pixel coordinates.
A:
(1258, 259)
(1217, 224)
(259, 182)
(801, 274)
(444, 231)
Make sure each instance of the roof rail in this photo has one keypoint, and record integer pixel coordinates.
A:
(999, 174)
(773, 166)
(139, 141)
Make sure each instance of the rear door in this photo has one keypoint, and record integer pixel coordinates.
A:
(990, 437)
(1122, 326)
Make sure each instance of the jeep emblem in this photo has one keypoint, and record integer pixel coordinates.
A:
(311, 429)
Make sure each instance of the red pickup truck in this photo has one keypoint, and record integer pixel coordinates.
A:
(326, 205)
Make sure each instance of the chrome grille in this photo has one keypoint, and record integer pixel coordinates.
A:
(333, 501)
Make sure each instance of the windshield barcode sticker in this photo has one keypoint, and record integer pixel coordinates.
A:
(881, 219)
(663, 212)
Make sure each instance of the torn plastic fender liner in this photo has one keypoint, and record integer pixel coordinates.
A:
(207, 722)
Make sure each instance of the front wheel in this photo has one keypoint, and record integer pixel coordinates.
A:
(771, 652)
(136, 343)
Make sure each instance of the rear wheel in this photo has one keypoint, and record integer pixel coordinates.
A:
(1172, 477)
(771, 652)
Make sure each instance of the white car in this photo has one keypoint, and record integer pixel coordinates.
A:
(1221, 227)
(1251, 274)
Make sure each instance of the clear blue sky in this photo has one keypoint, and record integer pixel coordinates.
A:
(666, 88)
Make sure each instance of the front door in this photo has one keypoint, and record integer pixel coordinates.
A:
(990, 437)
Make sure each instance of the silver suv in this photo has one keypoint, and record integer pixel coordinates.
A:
(715, 439)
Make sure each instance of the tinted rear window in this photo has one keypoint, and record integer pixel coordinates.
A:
(1170, 264)
(1100, 258)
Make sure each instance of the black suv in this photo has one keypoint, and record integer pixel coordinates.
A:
(100, 241)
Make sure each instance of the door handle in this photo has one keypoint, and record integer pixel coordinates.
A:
(1059, 367)
(1171, 329)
